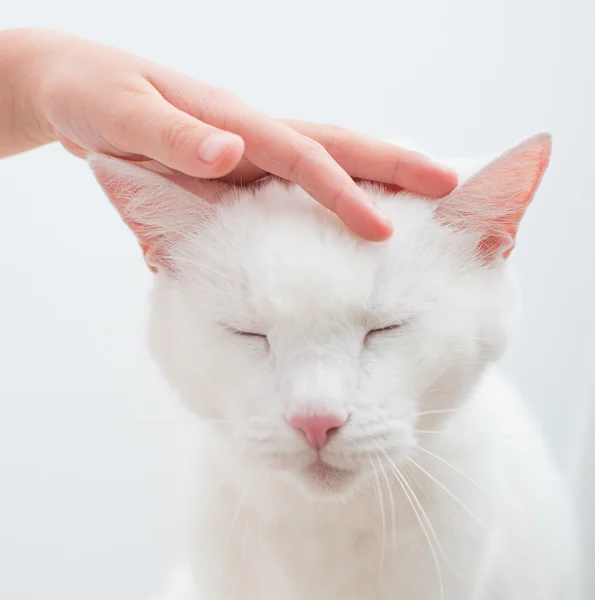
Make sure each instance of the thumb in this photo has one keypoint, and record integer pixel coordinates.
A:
(172, 137)
(71, 146)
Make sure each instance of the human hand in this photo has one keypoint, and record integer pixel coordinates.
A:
(94, 98)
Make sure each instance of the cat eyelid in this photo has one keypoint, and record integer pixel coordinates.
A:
(244, 333)
(250, 334)
(385, 329)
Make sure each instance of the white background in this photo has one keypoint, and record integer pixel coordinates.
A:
(89, 433)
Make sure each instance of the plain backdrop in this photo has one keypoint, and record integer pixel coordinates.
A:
(90, 435)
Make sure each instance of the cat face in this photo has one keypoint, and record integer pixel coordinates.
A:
(316, 355)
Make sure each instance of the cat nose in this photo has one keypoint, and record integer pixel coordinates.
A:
(317, 428)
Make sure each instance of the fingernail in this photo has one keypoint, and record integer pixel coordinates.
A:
(213, 147)
(379, 213)
(384, 218)
(369, 200)
(366, 198)
(381, 229)
(442, 167)
(451, 179)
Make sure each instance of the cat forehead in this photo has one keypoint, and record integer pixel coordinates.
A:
(281, 223)
(277, 252)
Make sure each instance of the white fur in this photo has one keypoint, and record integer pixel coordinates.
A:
(453, 494)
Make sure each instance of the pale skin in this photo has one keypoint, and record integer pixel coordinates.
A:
(94, 98)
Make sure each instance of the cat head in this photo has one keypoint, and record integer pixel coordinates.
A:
(313, 353)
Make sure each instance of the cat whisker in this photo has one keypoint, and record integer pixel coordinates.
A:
(449, 492)
(382, 514)
(451, 466)
(406, 488)
(246, 525)
(433, 412)
(395, 470)
(261, 530)
(237, 459)
(410, 494)
(231, 526)
(391, 500)
(414, 479)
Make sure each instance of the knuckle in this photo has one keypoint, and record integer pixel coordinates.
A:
(213, 106)
(294, 166)
(336, 198)
(176, 135)
(315, 150)
(306, 154)
(397, 169)
(223, 95)
(334, 138)
(207, 103)
(125, 117)
(125, 126)
(311, 157)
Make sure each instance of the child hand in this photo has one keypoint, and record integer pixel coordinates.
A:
(96, 98)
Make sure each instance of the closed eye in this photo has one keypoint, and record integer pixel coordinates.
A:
(380, 330)
(250, 334)
(258, 338)
(245, 333)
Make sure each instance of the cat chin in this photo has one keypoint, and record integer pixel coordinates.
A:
(320, 481)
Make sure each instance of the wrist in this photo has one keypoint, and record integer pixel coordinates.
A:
(22, 52)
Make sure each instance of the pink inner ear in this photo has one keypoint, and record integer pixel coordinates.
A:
(209, 190)
(120, 190)
(160, 207)
(494, 200)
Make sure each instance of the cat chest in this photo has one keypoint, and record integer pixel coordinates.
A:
(353, 565)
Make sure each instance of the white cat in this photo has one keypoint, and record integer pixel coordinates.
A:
(357, 442)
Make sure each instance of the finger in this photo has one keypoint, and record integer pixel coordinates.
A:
(365, 157)
(281, 151)
(389, 188)
(71, 146)
(278, 149)
(245, 172)
(368, 159)
(160, 131)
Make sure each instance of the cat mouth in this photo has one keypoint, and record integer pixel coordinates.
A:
(327, 477)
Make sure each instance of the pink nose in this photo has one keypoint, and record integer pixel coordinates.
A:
(317, 428)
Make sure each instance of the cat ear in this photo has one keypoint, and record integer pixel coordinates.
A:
(157, 208)
(493, 202)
